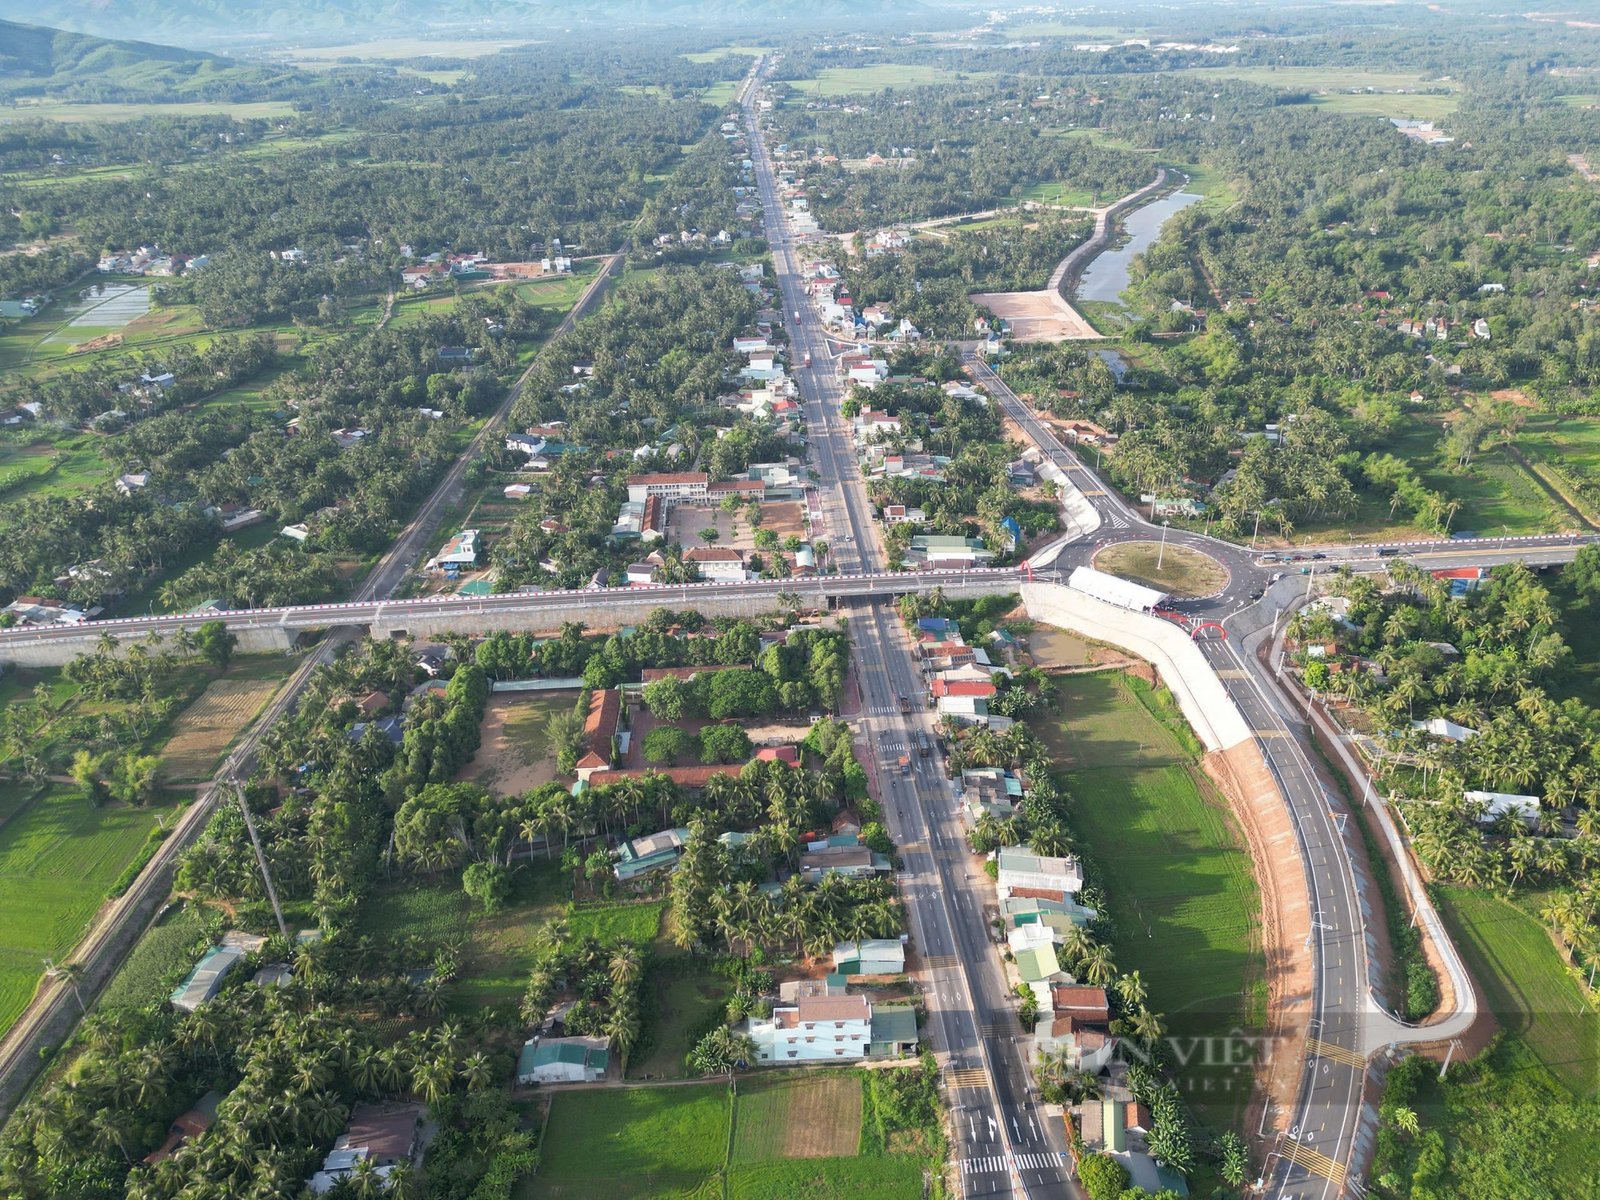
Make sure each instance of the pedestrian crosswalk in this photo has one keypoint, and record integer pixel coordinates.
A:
(992, 1164)
(968, 1077)
(937, 961)
(1000, 1029)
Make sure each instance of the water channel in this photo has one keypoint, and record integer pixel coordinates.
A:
(1106, 277)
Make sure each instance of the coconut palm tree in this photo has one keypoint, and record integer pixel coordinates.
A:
(477, 1072)
(624, 967)
(1098, 966)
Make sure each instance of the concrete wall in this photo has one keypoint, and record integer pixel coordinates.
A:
(58, 652)
(1217, 721)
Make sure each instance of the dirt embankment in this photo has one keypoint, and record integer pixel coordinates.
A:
(1241, 774)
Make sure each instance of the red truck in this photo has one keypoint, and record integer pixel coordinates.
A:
(905, 764)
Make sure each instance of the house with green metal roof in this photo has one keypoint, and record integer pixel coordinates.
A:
(205, 981)
(894, 1031)
(876, 956)
(658, 852)
(1037, 963)
(563, 1060)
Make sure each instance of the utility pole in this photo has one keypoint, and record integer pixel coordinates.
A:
(261, 858)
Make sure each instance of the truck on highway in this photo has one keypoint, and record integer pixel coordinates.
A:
(808, 358)
(922, 745)
(905, 704)
(905, 764)
(797, 316)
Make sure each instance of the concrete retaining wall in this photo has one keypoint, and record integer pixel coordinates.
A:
(58, 652)
(1217, 721)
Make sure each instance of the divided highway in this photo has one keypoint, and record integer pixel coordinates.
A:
(1004, 1144)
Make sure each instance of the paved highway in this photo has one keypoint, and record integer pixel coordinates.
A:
(1320, 1151)
(1004, 1144)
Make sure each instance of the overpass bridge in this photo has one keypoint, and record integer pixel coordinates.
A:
(263, 630)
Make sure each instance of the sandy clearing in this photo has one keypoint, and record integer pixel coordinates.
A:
(1043, 316)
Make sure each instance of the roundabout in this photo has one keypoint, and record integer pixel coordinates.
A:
(1183, 572)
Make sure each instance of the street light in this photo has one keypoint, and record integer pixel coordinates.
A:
(1162, 553)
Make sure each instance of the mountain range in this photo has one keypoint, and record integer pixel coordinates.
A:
(287, 22)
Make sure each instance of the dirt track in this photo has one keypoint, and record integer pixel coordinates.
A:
(1242, 775)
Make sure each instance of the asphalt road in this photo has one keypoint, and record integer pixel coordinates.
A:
(1004, 1144)
(1315, 1160)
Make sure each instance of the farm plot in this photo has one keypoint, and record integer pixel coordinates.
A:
(1527, 985)
(816, 1115)
(58, 857)
(204, 731)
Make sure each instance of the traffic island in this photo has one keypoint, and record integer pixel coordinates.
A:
(1181, 571)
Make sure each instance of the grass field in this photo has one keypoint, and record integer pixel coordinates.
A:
(681, 1008)
(1350, 92)
(58, 856)
(619, 922)
(716, 52)
(886, 1177)
(1059, 193)
(720, 93)
(208, 726)
(1526, 984)
(498, 949)
(814, 1115)
(850, 81)
(60, 110)
(1172, 862)
(634, 1142)
(788, 1136)
(1176, 569)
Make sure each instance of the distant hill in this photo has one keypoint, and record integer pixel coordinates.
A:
(52, 57)
(213, 22)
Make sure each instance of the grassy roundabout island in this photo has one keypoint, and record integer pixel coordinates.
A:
(1183, 572)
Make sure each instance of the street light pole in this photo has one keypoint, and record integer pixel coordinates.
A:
(1162, 553)
(1256, 530)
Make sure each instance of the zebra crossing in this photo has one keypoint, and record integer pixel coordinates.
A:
(1000, 1163)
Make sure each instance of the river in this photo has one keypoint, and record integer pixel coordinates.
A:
(1106, 276)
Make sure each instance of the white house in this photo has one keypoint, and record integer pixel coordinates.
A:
(1495, 804)
(815, 1029)
(721, 563)
(460, 551)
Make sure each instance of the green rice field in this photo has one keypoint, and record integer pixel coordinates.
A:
(1527, 984)
(58, 857)
(1165, 849)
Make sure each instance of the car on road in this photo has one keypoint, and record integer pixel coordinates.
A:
(1258, 593)
(1319, 557)
(1388, 551)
